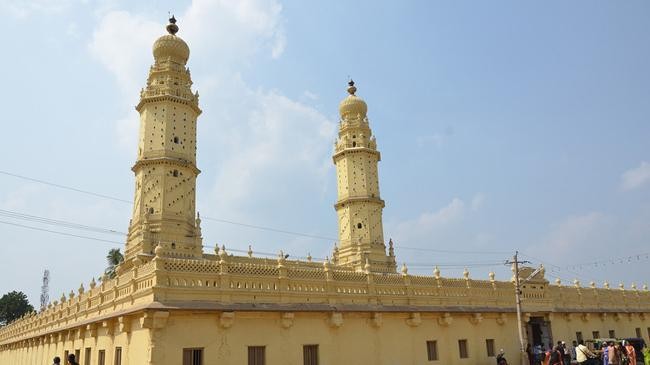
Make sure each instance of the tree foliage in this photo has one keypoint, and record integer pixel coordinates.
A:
(114, 259)
(13, 305)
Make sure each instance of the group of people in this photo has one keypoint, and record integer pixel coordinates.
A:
(71, 360)
(612, 353)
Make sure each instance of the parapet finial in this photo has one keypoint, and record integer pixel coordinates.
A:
(351, 88)
(172, 28)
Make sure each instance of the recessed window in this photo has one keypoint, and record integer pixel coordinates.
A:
(612, 334)
(432, 350)
(192, 356)
(310, 354)
(173, 245)
(595, 334)
(87, 356)
(101, 357)
(638, 332)
(579, 337)
(489, 345)
(176, 140)
(462, 349)
(150, 210)
(118, 356)
(175, 173)
(256, 355)
(354, 144)
(359, 225)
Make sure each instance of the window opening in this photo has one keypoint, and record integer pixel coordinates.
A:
(432, 350)
(462, 349)
(256, 355)
(118, 356)
(310, 354)
(489, 345)
(193, 356)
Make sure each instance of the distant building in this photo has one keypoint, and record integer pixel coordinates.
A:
(171, 303)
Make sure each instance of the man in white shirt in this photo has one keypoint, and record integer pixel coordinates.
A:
(582, 353)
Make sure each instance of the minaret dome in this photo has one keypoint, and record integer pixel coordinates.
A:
(352, 105)
(171, 46)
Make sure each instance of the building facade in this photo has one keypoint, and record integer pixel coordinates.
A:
(173, 303)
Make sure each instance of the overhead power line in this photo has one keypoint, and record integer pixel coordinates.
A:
(56, 222)
(65, 187)
(59, 233)
(241, 224)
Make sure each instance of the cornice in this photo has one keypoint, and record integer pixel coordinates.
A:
(165, 161)
(360, 199)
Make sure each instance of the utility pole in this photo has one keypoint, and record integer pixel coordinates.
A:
(515, 261)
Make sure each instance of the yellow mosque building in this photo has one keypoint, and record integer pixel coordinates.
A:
(171, 303)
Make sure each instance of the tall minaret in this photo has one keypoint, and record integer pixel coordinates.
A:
(359, 206)
(165, 170)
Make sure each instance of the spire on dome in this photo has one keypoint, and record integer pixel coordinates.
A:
(172, 28)
(352, 106)
(351, 88)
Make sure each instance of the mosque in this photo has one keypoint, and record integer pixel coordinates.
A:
(173, 303)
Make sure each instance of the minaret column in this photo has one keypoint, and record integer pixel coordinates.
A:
(164, 210)
(359, 205)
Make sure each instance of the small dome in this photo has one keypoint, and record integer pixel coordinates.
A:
(352, 105)
(171, 46)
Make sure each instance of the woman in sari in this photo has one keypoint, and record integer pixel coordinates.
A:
(631, 353)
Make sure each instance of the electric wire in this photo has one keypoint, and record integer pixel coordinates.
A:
(241, 224)
(56, 222)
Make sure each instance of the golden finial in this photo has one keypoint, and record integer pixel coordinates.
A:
(351, 88)
(172, 28)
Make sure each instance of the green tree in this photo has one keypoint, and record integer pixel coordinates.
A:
(13, 305)
(114, 258)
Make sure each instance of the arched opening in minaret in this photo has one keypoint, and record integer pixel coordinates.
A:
(354, 144)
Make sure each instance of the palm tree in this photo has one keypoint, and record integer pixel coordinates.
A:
(114, 258)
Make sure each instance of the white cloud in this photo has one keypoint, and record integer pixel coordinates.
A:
(434, 139)
(122, 43)
(477, 201)
(310, 95)
(257, 139)
(429, 224)
(234, 30)
(24, 8)
(636, 177)
(576, 233)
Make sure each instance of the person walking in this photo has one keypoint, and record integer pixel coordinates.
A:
(631, 353)
(556, 356)
(583, 354)
(646, 354)
(566, 354)
(530, 354)
(72, 360)
(56, 360)
(605, 358)
(614, 355)
(501, 358)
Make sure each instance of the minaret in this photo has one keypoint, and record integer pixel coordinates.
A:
(359, 206)
(165, 170)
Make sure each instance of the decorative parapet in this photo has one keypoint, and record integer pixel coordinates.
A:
(241, 280)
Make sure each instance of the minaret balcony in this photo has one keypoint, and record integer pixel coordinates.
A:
(359, 199)
(348, 149)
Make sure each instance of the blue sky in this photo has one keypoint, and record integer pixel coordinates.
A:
(503, 126)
